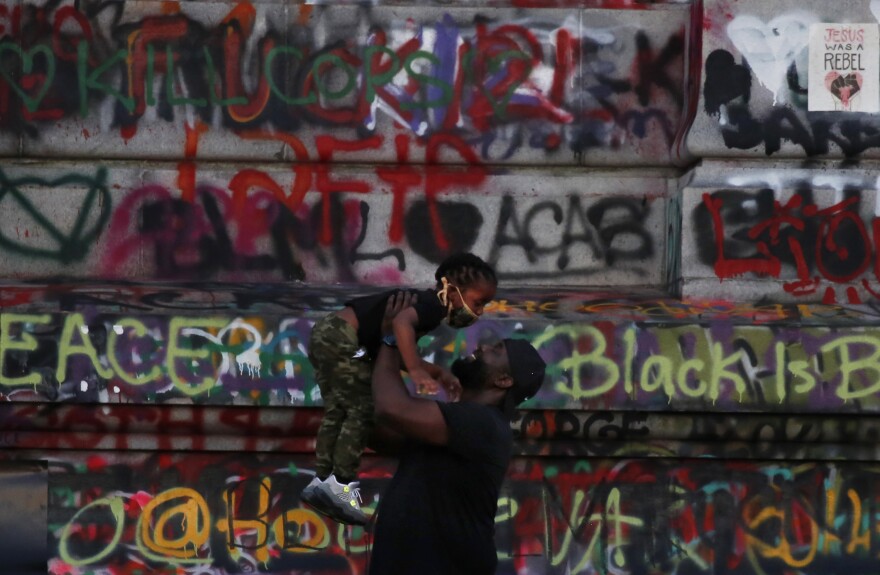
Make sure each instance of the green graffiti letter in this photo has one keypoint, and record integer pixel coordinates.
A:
(629, 341)
(75, 323)
(175, 352)
(800, 368)
(117, 510)
(89, 80)
(657, 373)
(681, 377)
(334, 61)
(620, 523)
(112, 337)
(26, 342)
(173, 99)
(445, 88)
(595, 359)
(720, 365)
(270, 77)
(780, 371)
(849, 366)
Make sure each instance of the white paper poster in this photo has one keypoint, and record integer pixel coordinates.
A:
(844, 68)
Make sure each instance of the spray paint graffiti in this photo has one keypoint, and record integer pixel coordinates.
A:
(311, 303)
(791, 236)
(593, 365)
(66, 245)
(510, 85)
(387, 226)
(556, 433)
(755, 89)
(589, 517)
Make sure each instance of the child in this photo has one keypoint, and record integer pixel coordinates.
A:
(342, 348)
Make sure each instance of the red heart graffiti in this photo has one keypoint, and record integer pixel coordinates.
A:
(844, 88)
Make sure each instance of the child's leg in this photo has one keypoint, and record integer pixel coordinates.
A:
(355, 393)
(332, 345)
(331, 424)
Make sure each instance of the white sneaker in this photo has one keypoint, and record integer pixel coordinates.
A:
(344, 499)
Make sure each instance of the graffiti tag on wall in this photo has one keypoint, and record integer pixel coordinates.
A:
(593, 365)
(223, 515)
(511, 86)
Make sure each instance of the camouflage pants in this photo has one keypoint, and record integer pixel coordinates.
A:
(345, 387)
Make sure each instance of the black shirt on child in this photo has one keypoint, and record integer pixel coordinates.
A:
(370, 310)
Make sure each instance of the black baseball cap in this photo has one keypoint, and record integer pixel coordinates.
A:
(527, 370)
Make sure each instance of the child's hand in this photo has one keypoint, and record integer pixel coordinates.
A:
(451, 385)
(425, 384)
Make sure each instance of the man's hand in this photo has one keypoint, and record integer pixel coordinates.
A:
(451, 385)
(399, 301)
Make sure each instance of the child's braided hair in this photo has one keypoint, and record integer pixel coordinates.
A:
(464, 269)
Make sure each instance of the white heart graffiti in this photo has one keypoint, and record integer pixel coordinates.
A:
(771, 47)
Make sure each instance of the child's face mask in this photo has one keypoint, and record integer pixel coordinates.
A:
(459, 317)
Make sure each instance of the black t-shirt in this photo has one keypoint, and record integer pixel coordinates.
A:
(371, 309)
(437, 515)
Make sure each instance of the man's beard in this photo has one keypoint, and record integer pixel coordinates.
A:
(471, 372)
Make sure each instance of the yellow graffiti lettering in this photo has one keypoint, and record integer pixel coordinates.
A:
(657, 373)
(175, 352)
(301, 531)
(799, 368)
(681, 377)
(720, 372)
(782, 550)
(180, 532)
(577, 360)
(614, 517)
(629, 341)
(578, 498)
(609, 306)
(498, 306)
(75, 326)
(780, 371)
(849, 366)
(26, 342)
(507, 509)
(857, 539)
(117, 511)
(139, 330)
(830, 513)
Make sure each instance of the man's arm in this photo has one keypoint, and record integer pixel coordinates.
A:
(404, 325)
(386, 441)
(414, 418)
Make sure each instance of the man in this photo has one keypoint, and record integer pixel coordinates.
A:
(437, 516)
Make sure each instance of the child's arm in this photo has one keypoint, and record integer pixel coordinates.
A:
(449, 382)
(406, 416)
(404, 327)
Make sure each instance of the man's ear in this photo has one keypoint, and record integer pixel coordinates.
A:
(504, 381)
